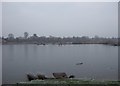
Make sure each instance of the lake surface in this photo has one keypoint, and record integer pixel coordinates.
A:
(100, 62)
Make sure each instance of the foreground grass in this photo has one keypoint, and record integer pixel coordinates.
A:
(69, 82)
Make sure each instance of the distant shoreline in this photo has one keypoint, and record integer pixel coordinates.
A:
(58, 44)
(60, 41)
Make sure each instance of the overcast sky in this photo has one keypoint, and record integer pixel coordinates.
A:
(60, 18)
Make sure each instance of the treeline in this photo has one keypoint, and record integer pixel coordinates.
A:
(43, 40)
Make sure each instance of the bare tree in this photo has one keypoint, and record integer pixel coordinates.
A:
(10, 36)
(26, 35)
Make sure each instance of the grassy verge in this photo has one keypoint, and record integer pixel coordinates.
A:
(69, 82)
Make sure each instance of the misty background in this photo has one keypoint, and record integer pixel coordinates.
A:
(60, 18)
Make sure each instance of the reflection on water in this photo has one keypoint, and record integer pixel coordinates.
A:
(99, 61)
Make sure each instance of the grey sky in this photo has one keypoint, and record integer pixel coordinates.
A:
(60, 18)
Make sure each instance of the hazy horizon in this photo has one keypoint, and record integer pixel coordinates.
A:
(60, 18)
